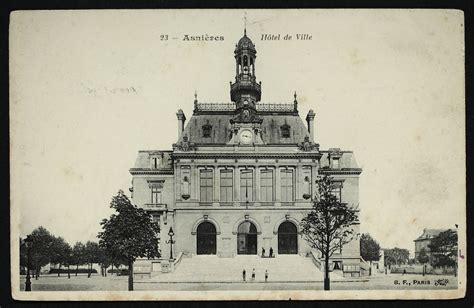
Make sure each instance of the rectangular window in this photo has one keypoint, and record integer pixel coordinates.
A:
(246, 184)
(266, 185)
(227, 188)
(337, 191)
(287, 192)
(205, 181)
(155, 195)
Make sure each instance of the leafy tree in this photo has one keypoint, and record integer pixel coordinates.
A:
(59, 252)
(423, 257)
(396, 256)
(41, 242)
(92, 255)
(327, 227)
(78, 252)
(129, 234)
(444, 248)
(369, 249)
(69, 259)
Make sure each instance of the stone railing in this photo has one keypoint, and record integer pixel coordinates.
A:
(276, 107)
(314, 257)
(154, 206)
(271, 107)
(214, 106)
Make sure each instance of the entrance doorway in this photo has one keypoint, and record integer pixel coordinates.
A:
(206, 239)
(247, 239)
(287, 238)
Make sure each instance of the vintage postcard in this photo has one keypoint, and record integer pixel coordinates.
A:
(237, 154)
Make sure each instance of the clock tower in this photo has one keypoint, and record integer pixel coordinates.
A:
(245, 92)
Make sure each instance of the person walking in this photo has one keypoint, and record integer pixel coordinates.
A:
(271, 252)
(243, 274)
(253, 275)
(263, 252)
(266, 275)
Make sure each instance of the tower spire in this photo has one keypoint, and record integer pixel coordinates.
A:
(245, 24)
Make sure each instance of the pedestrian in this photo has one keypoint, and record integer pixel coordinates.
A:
(253, 275)
(263, 252)
(243, 274)
(271, 252)
(266, 275)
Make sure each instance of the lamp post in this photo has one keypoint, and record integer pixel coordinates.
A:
(28, 278)
(171, 242)
(69, 265)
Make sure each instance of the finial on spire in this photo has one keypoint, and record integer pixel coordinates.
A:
(245, 24)
(295, 96)
(195, 96)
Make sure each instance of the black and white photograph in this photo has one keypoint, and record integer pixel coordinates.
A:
(247, 154)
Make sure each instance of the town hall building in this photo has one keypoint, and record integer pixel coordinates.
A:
(241, 176)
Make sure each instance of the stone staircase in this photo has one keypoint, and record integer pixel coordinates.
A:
(282, 268)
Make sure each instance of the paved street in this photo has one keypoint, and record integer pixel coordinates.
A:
(117, 283)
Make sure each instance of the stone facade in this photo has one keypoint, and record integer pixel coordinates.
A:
(242, 175)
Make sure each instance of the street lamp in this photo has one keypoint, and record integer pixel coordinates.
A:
(28, 243)
(69, 265)
(171, 242)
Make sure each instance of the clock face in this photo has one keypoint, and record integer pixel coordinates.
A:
(246, 136)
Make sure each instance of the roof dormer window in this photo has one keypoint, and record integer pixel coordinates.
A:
(206, 130)
(285, 131)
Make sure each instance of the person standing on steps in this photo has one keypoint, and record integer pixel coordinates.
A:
(271, 252)
(253, 275)
(243, 274)
(266, 275)
(263, 252)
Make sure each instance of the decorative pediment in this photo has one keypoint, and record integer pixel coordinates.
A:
(184, 145)
(307, 145)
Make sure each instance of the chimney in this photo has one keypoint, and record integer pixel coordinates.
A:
(310, 120)
(181, 119)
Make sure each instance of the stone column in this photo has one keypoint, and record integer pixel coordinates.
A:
(237, 185)
(257, 186)
(217, 186)
(277, 186)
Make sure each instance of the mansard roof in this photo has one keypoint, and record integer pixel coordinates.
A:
(220, 132)
(430, 233)
(347, 161)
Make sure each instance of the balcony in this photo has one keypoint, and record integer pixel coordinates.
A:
(155, 206)
(245, 86)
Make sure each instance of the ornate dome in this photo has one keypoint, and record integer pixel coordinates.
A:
(245, 42)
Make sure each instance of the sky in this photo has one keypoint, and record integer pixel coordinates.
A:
(90, 89)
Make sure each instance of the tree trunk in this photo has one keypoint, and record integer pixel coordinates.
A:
(59, 270)
(89, 270)
(370, 268)
(36, 272)
(68, 272)
(112, 270)
(326, 272)
(77, 268)
(130, 275)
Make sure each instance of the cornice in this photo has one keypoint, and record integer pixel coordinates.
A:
(340, 171)
(139, 171)
(315, 155)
